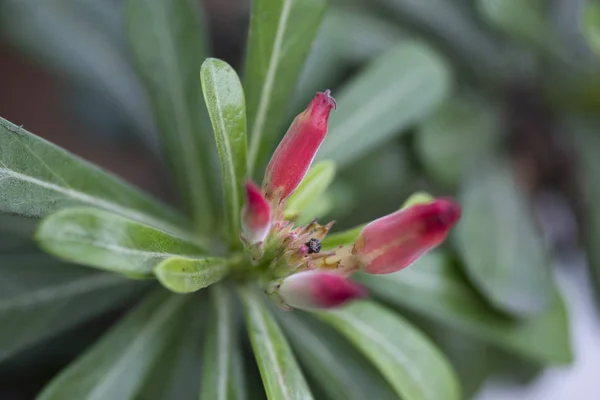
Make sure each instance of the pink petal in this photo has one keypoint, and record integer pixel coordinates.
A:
(256, 215)
(295, 153)
(395, 241)
(319, 290)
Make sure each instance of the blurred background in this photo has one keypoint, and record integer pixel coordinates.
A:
(513, 133)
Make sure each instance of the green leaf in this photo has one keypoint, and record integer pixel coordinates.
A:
(499, 243)
(343, 373)
(167, 40)
(101, 239)
(586, 141)
(40, 298)
(397, 90)
(452, 26)
(176, 371)
(238, 389)
(590, 25)
(359, 35)
(224, 99)
(116, 365)
(281, 375)
(38, 178)
(314, 185)
(527, 21)
(185, 275)
(473, 361)
(218, 348)
(407, 359)
(343, 238)
(280, 36)
(434, 287)
(345, 38)
(465, 129)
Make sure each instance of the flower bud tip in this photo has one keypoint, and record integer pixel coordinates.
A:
(294, 155)
(395, 241)
(318, 289)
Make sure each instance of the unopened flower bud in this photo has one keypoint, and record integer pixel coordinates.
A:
(256, 215)
(295, 153)
(318, 289)
(395, 241)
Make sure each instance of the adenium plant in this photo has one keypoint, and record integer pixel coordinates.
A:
(256, 245)
(245, 288)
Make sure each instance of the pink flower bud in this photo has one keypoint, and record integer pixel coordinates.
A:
(256, 215)
(395, 241)
(318, 289)
(295, 153)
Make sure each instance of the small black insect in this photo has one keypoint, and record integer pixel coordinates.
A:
(314, 246)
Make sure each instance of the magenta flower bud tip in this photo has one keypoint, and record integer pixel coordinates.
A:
(318, 289)
(256, 215)
(295, 153)
(395, 241)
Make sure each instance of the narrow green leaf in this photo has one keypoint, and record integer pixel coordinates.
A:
(527, 21)
(314, 184)
(101, 239)
(167, 40)
(584, 133)
(398, 89)
(218, 368)
(451, 25)
(346, 37)
(343, 238)
(40, 298)
(238, 389)
(407, 359)
(281, 33)
(590, 25)
(343, 373)
(473, 360)
(435, 287)
(186, 275)
(501, 247)
(38, 178)
(176, 371)
(281, 375)
(224, 99)
(115, 367)
(359, 35)
(465, 129)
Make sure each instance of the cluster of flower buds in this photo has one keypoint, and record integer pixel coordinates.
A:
(306, 278)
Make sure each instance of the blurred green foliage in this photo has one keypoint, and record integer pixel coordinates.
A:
(472, 99)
